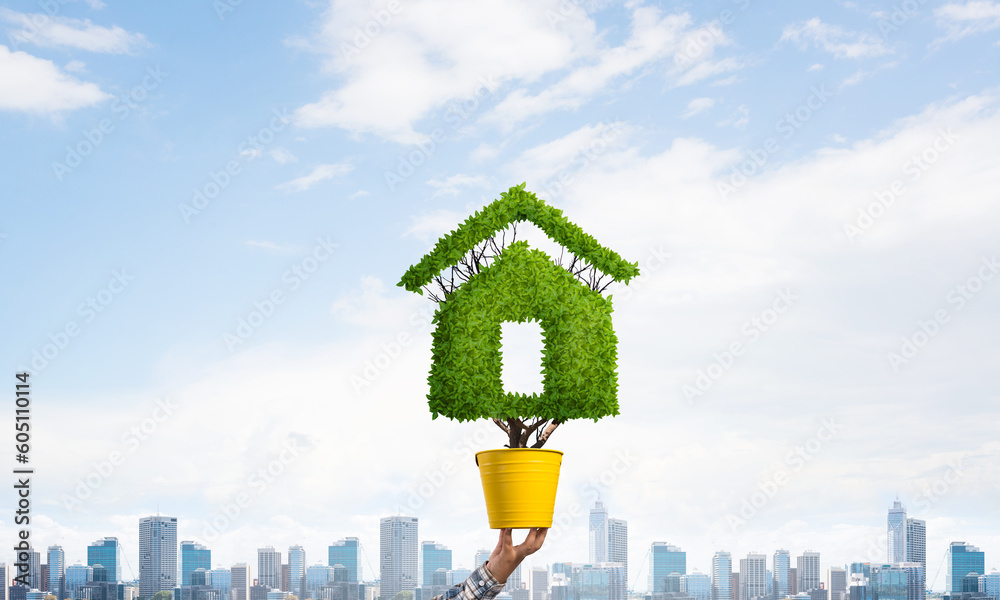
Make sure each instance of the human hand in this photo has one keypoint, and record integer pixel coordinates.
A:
(506, 556)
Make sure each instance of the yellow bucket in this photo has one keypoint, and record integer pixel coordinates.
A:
(519, 485)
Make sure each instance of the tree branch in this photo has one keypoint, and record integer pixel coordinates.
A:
(545, 434)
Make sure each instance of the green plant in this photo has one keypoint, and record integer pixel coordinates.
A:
(492, 282)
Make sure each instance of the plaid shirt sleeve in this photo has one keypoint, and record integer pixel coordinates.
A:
(481, 585)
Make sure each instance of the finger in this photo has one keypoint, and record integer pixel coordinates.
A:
(507, 537)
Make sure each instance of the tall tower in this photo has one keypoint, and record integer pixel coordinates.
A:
(753, 576)
(157, 555)
(269, 567)
(434, 556)
(961, 560)
(665, 560)
(345, 552)
(598, 533)
(836, 583)
(779, 586)
(57, 572)
(618, 543)
(807, 571)
(722, 576)
(239, 579)
(297, 571)
(916, 542)
(539, 583)
(106, 552)
(397, 555)
(193, 557)
(896, 533)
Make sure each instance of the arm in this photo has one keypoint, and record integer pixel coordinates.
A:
(488, 580)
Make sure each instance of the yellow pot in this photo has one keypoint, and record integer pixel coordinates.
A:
(519, 485)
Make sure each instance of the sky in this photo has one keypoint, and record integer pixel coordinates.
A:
(207, 206)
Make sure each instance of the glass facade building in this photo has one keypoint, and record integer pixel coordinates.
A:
(106, 552)
(961, 560)
(782, 562)
(434, 556)
(664, 560)
(697, 585)
(722, 576)
(345, 552)
(157, 555)
(193, 557)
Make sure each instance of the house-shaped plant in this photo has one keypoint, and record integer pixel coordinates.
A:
(516, 283)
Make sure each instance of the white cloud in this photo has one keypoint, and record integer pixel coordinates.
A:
(815, 67)
(64, 32)
(835, 39)
(35, 85)
(578, 150)
(738, 119)
(266, 245)
(453, 185)
(696, 106)
(960, 20)
(432, 225)
(283, 156)
(318, 174)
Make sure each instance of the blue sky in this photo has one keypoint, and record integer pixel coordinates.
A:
(182, 165)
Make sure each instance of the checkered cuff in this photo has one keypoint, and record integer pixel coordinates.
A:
(481, 585)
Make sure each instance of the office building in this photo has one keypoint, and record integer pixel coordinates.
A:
(961, 560)
(807, 572)
(193, 557)
(36, 580)
(220, 579)
(836, 583)
(896, 533)
(781, 565)
(618, 543)
(345, 552)
(916, 542)
(664, 560)
(56, 577)
(398, 555)
(598, 533)
(434, 556)
(601, 581)
(538, 581)
(753, 577)
(482, 556)
(989, 584)
(722, 576)
(697, 585)
(316, 577)
(77, 576)
(460, 574)
(901, 581)
(297, 571)
(269, 567)
(106, 552)
(157, 555)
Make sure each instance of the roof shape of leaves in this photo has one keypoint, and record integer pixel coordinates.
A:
(514, 206)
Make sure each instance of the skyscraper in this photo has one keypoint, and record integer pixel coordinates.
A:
(598, 533)
(896, 533)
(77, 576)
(35, 579)
(961, 560)
(753, 576)
(433, 556)
(664, 560)
(297, 571)
(57, 572)
(193, 557)
(239, 578)
(397, 555)
(345, 552)
(916, 542)
(482, 556)
(539, 583)
(697, 585)
(722, 576)
(780, 586)
(807, 571)
(618, 543)
(220, 579)
(106, 552)
(836, 583)
(269, 567)
(157, 555)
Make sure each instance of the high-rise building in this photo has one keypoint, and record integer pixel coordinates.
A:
(807, 571)
(269, 567)
(697, 585)
(722, 576)
(961, 560)
(345, 552)
(916, 542)
(35, 578)
(77, 576)
(106, 552)
(836, 583)
(239, 579)
(601, 581)
(779, 585)
(539, 583)
(193, 557)
(896, 533)
(482, 556)
(434, 556)
(297, 571)
(286, 582)
(753, 576)
(618, 543)
(793, 581)
(514, 581)
(598, 533)
(57, 572)
(900, 581)
(989, 584)
(316, 577)
(157, 555)
(665, 560)
(398, 555)
(220, 579)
